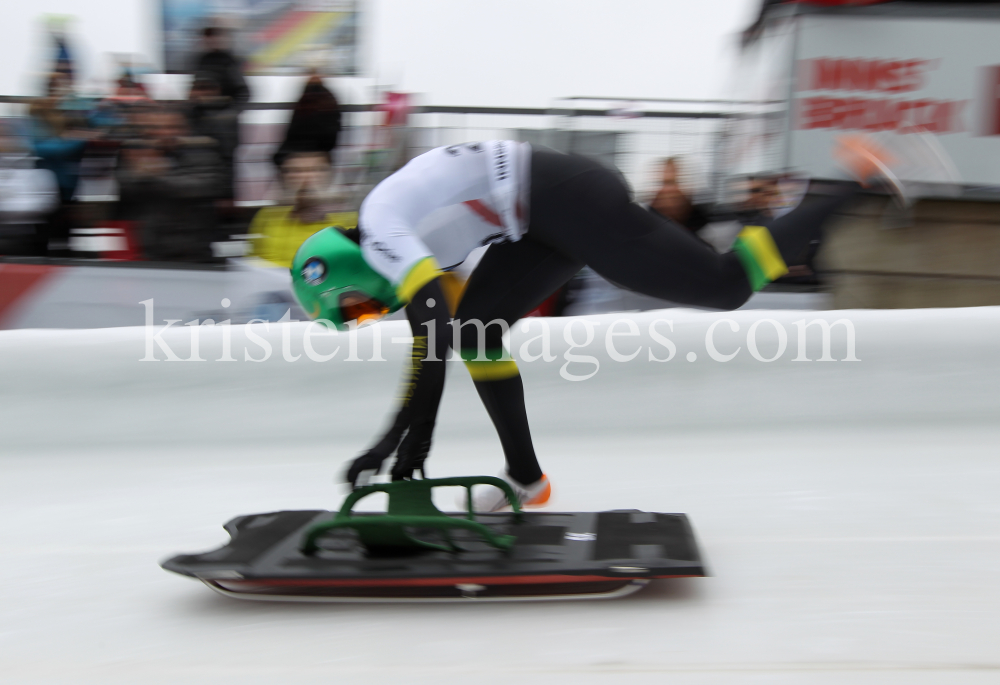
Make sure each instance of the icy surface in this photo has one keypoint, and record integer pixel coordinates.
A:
(848, 511)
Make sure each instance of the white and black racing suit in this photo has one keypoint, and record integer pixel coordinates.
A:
(545, 215)
(443, 205)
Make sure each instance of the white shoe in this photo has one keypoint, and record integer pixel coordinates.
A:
(487, 498)
(869, 161)
(925, 166)
(910, 166)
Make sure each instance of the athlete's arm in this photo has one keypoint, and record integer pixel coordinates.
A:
(423, 384)
(392, 214)
(389, 218)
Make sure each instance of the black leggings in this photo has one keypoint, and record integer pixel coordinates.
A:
(581, 214)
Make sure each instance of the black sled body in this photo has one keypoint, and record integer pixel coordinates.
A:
(552, 556)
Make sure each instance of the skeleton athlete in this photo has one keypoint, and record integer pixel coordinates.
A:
(544, 215)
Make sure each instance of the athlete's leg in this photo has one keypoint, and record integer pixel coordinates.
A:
(581, 214)
(511, 280)
(794, 232)
(588, 216)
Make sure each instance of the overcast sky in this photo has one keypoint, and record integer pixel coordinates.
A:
(526, 52)
(455, 52)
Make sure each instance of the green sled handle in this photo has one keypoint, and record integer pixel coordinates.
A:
(411, 506)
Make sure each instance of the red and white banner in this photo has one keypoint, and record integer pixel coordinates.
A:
(898, 76)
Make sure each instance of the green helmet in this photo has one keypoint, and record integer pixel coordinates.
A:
(333, 282)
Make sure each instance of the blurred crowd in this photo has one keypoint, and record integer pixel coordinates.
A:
(161, 174)
(759, 200)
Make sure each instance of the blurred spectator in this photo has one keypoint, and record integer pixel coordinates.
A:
(59, 138)
(789, 190)
(212, 115)
(769, 197)
(169, 182)
(117, 114)
(27, 196)
(761, 200)
(315, 122)
(671, 202)
(62, 59)
(58, 135)
(227, 70)
(307, 180)
(127, 89)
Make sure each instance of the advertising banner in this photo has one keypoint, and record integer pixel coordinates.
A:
(898, 76)
(273, 36)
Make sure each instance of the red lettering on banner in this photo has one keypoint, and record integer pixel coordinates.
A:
(882, 116)
(916, 72)
(835, 118)
(902, 111)
(886, 76)
(856, 114)
(854, 75)
(917, 118)
(941, 120)
(870, 76)
(890, 76)
(826, 74)
(902, 116)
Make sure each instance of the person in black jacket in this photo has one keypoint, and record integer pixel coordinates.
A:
(315, 122)
(169, 182)
(212, 115)
(225, 67)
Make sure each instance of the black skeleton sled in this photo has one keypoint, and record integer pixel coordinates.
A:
(415, 552)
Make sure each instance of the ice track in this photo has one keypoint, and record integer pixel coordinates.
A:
(849, 511)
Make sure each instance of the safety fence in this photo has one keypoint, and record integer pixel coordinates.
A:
(632, 137)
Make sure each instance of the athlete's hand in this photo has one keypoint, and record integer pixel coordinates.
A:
(413, 452)
(361, 470)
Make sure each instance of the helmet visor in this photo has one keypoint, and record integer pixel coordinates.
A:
(358, 306)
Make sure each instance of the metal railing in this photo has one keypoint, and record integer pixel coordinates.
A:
(631, 140)
(631, 135)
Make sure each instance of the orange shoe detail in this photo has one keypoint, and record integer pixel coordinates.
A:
(542, 497)
(863, 157)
